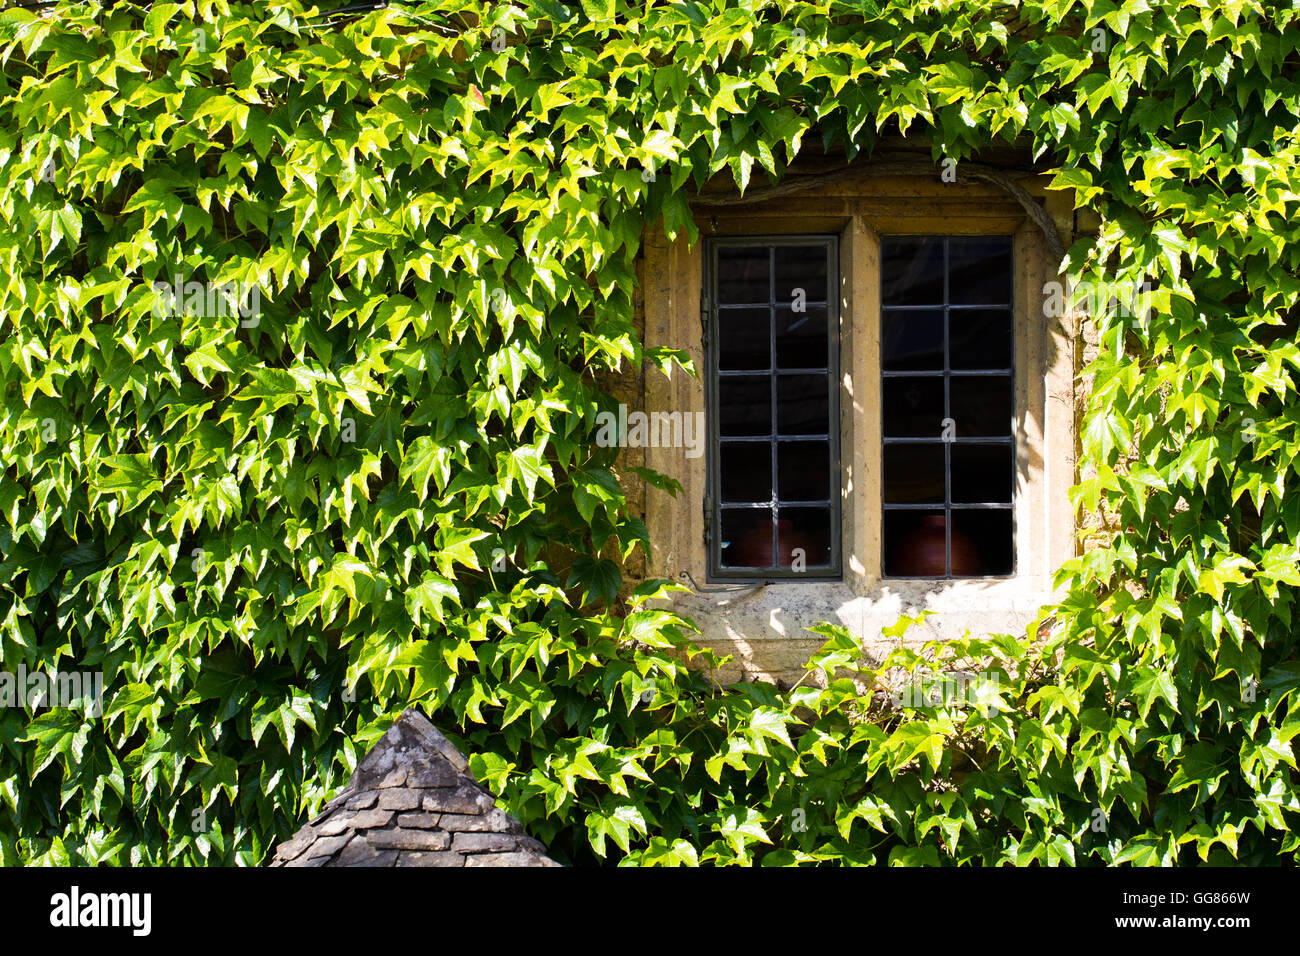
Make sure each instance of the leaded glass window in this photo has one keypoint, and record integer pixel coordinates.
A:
(772, 336)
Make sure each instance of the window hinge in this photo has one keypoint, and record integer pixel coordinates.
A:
(704, 317)
(708, 522)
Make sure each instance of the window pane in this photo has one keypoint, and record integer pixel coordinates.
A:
(913, 340)
(914, 543)
(979, 270)
(774, 344)
(804, 470)
(808, 530)
(746, 537)
(981, 405)
(911, 271)
(744, 405)
(746, 471)
(801, 340)
(744, 275)
(981, 473)
(979, 338)
(803, 404)
(914, 473)
(967, 282)
(801, 267)
(913, 407)
(987, 533)
(744, 339)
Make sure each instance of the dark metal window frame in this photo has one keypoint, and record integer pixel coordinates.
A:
(948, 506)
(709, 308)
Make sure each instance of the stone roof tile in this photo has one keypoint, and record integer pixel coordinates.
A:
(412, 802)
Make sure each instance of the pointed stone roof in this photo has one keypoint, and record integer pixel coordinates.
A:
(412, 802)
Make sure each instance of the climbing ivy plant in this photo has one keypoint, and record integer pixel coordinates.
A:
(305, 316)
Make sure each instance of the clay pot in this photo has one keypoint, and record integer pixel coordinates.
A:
(755, 549)
(921, 553)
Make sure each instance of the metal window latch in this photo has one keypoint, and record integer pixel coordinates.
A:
(724, 589)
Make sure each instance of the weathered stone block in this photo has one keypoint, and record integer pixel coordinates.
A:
(399, 800)
(508, 859)
(432, 775)
(376, 765)
(415, 858)
(336, 824)
(291, 849)
(362, 800)
(417, 820)
(431, 736)
(327, 846)
(320, 817)
(481, 842)
(464, 799)
(494, 821)
(409, 839)
(371, 819)
(362, 852)
(528, 843)
(394, 778)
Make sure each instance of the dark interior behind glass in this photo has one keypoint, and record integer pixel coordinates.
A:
(947, 399)
(773, 359)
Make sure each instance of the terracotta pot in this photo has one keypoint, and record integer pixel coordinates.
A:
(755, 549)
(921, 553)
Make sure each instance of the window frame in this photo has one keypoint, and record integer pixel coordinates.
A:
(713, 508)
(1012, 371)
(741, 617)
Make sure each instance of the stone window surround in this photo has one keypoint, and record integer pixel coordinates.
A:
(745, 621)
